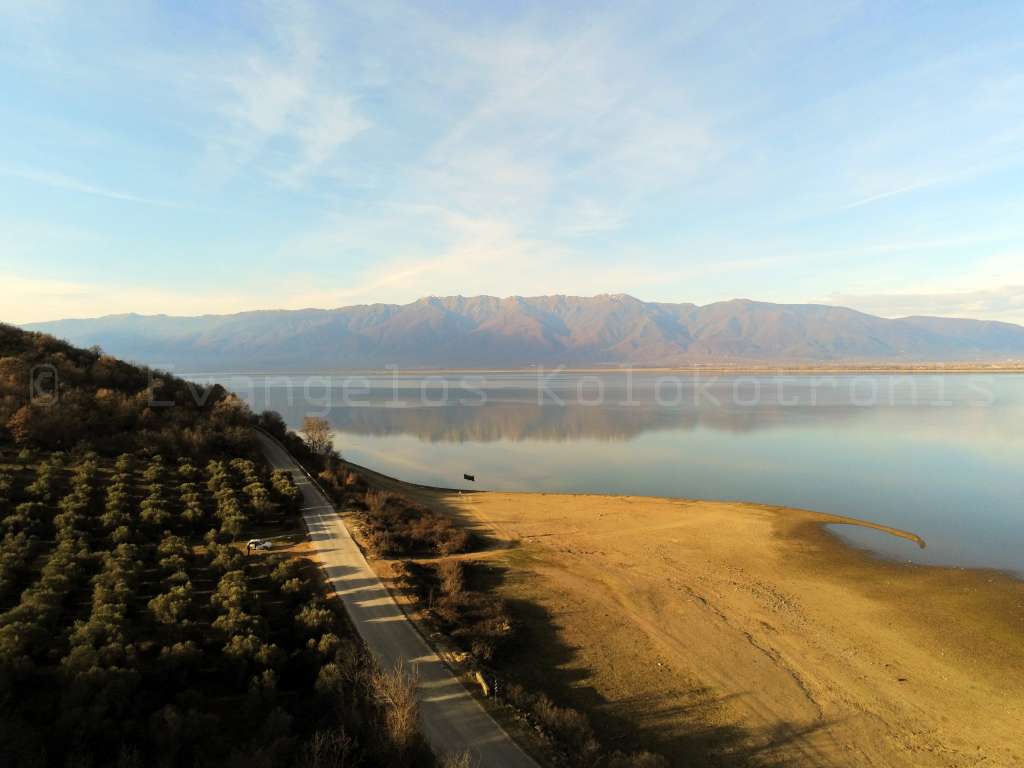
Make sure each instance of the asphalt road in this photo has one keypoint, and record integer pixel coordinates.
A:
(452, 719)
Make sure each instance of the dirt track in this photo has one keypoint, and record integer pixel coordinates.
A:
(741, 634)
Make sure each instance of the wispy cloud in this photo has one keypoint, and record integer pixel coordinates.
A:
(894, 192)
(566, 129)
(280, 104)
(479, 253)
(555, 135)
(1004, 303)
(30, 299)
(385, 150)
(998, 163)
(70, 184)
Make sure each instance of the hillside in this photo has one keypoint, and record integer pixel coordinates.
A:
(136, 627)
(55, 396)
(485, 331)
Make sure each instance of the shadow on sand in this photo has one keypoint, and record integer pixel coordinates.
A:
(687, 727)
(687, 734)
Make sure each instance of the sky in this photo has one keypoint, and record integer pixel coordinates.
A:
(190, 158)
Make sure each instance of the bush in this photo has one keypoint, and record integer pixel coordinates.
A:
(379, 542)
(16, 552)
(288, 496)
(326, 749)
(452, 575)
(125, 464)
(314, 618)
(327, 645)
(224, 558)
(26, 518)
(173, 546)
(153, 510)
(397, 526)
(172, 606)
(565, 725)
(232, 592)
(250, 648)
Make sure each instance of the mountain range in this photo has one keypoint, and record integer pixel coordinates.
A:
(485, 331)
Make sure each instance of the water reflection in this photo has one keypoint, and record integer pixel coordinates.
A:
(518, 421)
(939, 455)
(609, 407)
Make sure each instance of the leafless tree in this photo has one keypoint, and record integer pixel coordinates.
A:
(317, 431)
(395, 690)
(327, 749)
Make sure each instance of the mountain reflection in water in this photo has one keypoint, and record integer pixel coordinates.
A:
(942, 456)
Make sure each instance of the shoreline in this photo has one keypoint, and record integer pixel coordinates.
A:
(821, 519)
(746, 621)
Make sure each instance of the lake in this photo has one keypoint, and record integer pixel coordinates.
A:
(939, 455)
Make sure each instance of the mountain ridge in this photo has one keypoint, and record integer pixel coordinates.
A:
(519, 331)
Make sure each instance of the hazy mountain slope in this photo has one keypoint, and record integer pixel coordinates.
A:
(981, 334)
(549, 330)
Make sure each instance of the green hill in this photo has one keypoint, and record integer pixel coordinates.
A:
(135, 627)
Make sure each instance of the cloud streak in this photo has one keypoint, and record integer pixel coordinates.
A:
(279, 105)
(1005, 303)
(70, 184)
(894, 192)
(382, 151)
(30, 299)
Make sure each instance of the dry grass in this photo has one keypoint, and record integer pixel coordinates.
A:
(457, 760)
(452, 574)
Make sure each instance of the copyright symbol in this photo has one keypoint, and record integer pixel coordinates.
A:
(42, 385)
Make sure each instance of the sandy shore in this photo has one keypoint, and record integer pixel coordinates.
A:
(740, 634)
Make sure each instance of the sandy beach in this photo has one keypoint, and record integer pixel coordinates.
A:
(741, 634)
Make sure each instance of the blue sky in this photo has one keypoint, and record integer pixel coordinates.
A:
(187, 158)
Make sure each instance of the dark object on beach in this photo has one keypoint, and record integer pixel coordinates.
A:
(470, 477)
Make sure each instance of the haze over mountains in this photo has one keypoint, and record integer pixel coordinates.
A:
(484, 331)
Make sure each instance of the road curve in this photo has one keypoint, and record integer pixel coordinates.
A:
(452, 719)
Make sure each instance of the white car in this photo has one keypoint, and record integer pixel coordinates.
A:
(260, 545)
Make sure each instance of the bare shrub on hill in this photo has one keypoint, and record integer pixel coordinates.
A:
(397, 526)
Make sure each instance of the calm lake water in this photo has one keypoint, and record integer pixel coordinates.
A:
(942, 456)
